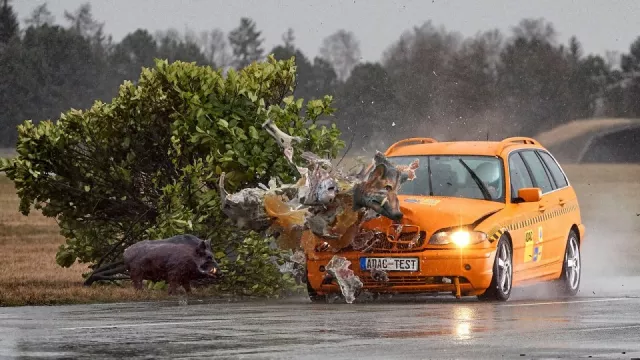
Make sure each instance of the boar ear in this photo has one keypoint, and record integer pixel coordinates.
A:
(201, 247)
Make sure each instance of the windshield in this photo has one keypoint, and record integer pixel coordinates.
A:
(455, 176)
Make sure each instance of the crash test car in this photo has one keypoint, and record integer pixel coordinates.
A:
(479, 218)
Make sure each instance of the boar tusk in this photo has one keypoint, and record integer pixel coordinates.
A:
(384, 202)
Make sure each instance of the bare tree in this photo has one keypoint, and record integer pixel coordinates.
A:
(40, 16)
(535, 30)
(215, 47)
(288, 38)
(83, 22)
(342, 51)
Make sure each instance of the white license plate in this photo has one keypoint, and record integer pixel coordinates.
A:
(389, 263)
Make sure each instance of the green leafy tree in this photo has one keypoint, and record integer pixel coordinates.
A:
(9, 27)
(418, 66)
(533, 79)
(146, 165)
(367, 104)
(588, 80)
(135, 51)
(51, 70)
(472, 71)
(246, 43)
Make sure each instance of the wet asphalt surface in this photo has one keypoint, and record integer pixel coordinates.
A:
(603, 321)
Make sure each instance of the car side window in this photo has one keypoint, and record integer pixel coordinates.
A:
(519, 174)
(556, 172)
(537, 170)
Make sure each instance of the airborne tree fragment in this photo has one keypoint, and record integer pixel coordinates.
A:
(330, 204)
(324, 209)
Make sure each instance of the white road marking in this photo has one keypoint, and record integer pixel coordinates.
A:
(568, 302)
(117, 326)
(611, 328)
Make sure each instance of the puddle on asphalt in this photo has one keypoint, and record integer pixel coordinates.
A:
(461, 323)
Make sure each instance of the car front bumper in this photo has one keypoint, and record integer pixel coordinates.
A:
(460, 271)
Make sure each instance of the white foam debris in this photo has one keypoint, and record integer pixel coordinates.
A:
(349, 283)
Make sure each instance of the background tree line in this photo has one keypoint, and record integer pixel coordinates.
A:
(430, 82)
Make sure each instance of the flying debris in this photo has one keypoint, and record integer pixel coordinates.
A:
(324, 210)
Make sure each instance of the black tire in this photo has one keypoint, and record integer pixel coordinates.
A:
(497, 290)
(571, 266)
(313, 295)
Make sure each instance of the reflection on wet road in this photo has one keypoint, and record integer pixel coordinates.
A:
(596, 327)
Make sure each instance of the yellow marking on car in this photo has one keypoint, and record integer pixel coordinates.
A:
(496, 235)
(541, 218)
(528, 245)
(499, 230)
(430, 202)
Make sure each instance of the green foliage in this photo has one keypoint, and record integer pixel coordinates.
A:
(146, 165)
(252, 270)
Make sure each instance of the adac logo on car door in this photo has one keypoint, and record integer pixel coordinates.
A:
(537, 251)
(528, 245)
(532, 251)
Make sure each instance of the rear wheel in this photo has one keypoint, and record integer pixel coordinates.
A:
(571, 266)
(500, 287)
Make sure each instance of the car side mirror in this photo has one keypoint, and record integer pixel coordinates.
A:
(529, 195)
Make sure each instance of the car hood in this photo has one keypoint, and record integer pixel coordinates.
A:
(435, 213)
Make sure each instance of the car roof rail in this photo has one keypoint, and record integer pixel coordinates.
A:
(420, 140)
(517, 139)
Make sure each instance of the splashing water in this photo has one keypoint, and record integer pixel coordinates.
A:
(349, 283)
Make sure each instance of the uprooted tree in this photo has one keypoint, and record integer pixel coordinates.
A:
(147, 165)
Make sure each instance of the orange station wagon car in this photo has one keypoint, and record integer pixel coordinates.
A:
(491, 215)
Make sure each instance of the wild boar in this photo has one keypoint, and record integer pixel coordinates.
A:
(185, 257)
(174, 261)
(379, 191)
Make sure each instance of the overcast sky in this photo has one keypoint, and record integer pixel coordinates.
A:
(599, 25)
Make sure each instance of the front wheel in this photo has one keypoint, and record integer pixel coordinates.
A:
(571, 266)
(500, 287)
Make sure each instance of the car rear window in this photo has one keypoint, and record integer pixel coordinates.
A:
(538, 171)
(556, 172)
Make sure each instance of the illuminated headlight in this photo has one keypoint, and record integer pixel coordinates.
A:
(460, 238)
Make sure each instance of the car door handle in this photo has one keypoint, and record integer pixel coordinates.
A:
(541, 208)
(562, 202)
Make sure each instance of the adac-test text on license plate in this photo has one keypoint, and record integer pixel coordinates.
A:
(389, 263)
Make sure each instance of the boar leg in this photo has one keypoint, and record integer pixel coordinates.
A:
(174, 280)
(187, 287)
(173, 286)
(136, 279)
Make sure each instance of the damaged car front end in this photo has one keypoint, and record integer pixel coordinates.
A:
(439, 244)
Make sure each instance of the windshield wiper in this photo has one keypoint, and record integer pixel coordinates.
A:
(483, 188)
